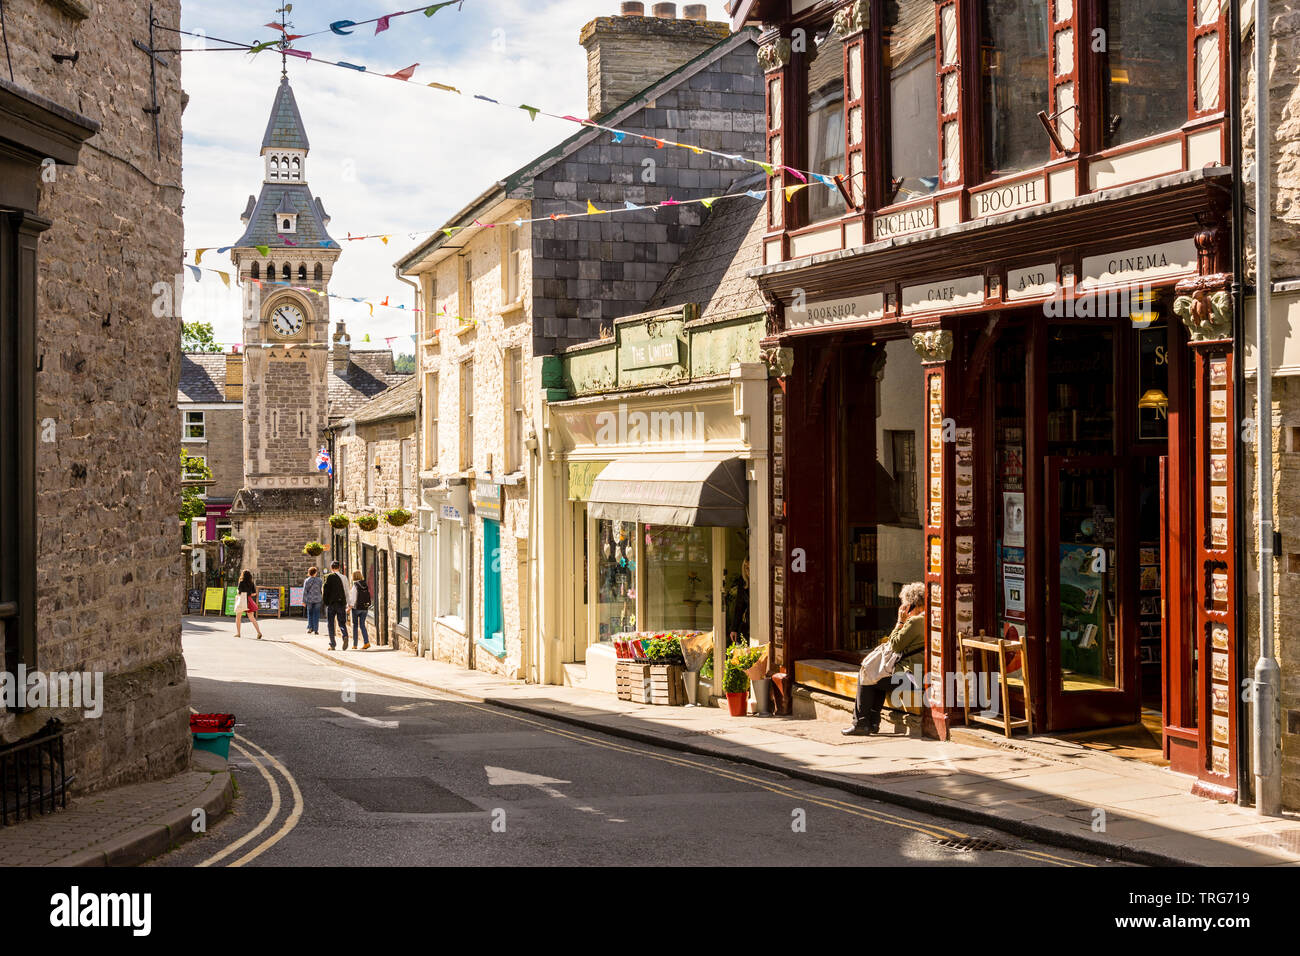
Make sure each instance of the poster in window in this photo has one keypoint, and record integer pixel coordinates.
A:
(1013, 590)
(1218, 467)
(1013, 519)
(1218, 373)
(1219, 403)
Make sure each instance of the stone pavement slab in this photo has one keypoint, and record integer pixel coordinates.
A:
(1042, 788)
(124, 826)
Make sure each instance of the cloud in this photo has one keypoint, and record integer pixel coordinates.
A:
(385, 156)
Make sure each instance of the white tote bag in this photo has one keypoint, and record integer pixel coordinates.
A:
(877, 665)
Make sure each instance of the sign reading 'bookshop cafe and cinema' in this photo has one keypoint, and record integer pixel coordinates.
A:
(860, 308)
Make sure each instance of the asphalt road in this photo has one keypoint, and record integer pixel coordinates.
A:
(338, 768)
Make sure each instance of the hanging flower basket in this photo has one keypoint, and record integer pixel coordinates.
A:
(339, 522)
(397, 517)
(368, 522)
(313, 548)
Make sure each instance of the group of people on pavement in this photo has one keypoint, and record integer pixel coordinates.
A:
(330, 592)
(338, 600)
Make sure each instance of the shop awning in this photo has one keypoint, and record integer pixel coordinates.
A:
(696, 491)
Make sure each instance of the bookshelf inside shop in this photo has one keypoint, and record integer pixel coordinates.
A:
(869, 619)
(1080, 393)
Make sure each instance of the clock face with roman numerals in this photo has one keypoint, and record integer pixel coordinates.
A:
(286, 320)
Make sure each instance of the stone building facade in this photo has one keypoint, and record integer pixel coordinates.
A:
(210, 397)
(496, 300)
(90, 216)
(1281, 427)
(374, 453)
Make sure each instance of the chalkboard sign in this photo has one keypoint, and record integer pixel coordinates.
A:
(212, 600)
(268, 602)
(195, 603)
(231, 596)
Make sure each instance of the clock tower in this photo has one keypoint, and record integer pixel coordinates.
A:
(284, 260)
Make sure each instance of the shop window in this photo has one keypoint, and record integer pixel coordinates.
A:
(1146, 68)
(615, 578)
(195, 426)
(678, 578)
(451, 541)
(907, 37)
(1014, 72)
(1152, 402)
(404, 592)
(430, 420)
(467, 415)
(1080, 391)
(824, 78)
(735, 585)
(340, 465)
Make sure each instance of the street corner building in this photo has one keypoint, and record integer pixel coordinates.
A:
(375, 476)
(297, 377)
(499, 303)
(1009, 331)
(90, 256)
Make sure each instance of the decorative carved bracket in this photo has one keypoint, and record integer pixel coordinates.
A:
(775, 55)
(780, 361)
(933, 346)
(1205, 306)
(853, 18)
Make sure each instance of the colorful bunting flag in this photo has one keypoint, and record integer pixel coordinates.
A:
(350, 66)
(340, 27)
(532, 111)
(381, 24)
(263, 250)
(404, 73)
(444, 86)
(791, 190)
(198, 273)
(592, 210)
(430, 11)
(198, 255)
(225, 278)
(619, 136)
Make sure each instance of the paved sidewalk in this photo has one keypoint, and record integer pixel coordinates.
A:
(1044, 789)
(121, 827)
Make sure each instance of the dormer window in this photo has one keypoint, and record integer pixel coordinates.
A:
(286, 222)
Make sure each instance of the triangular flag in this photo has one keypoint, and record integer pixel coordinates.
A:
(670, 202)
(486, 99)
(340, 27)
(274, 26)
(430, 11)
(372, 309)
(791, 190)
(619, 136)
(592, 210)
(198, 273)
(573, 119)
(659, 143)
(384, 239)
(290, 242)
(385, 302)
(825, 180)
(381, 24)
(225, 278)
(628, 204)
(766, 167)
(755, 194)
(696, 150)
(796, 174)
(224, 249)
(532, 111)
(707, 203)
(404, 73)
(263, 250)
(198, 255)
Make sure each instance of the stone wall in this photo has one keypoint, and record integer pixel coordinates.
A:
(223, 450)
(108, 484)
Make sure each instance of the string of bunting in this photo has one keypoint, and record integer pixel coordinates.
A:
(805, 177)
(345, 28)
(198, 271)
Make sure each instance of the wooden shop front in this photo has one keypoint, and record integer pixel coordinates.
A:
(1034, 418)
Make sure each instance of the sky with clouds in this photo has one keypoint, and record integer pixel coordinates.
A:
(386, 157)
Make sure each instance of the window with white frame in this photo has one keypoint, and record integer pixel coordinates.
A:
(514, 390)
(196, 426)
(467, 414)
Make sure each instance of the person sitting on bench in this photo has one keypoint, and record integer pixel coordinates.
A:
(908, 642)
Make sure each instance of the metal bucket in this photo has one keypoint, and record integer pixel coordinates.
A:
(691, 679)
(762, 696)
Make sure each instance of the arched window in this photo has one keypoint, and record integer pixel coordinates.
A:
(275, 167)
(257, 271)
(302, 272)
(284, 272)
(319, 274)
(270, 270)
(287, 225)
(294, 175)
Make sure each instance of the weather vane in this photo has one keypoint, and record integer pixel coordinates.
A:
(284, 12)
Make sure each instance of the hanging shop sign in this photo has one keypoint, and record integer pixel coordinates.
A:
(962, 293)
(859, 308)
(1141, 265)
(487, 501)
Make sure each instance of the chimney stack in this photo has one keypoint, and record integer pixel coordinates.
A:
(234, 377)
(627, 53)
(341, 353)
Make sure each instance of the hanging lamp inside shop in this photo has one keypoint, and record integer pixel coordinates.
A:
(1153, 398)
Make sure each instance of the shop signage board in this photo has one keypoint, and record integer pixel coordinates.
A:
(652, 353)
(268, 602)
(1141, 265)
(212, 600)
(295, 597)
(858, 308)
(961, 293)
(487, 500)
(999, 199)
(1031, 283)
(232, 594)
(582, 475)
(903, 222)
(194, 601)
(450, 512)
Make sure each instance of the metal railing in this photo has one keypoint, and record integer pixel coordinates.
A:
(32, 775)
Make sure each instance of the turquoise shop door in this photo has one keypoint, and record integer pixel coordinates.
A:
(492, 626)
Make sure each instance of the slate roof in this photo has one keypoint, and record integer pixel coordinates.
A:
(711, 269)
(286, 197)
(284, 130)
(203, 377)
(368, 373)
(400, 401)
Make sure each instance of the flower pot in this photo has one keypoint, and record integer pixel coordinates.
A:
(762, 696)
(738, 703)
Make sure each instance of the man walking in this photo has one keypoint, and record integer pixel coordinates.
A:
(335, 598)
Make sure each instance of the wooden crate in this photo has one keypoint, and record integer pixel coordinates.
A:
(622, 680)
(666, 685)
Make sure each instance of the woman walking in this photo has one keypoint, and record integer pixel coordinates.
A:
(313, 594)
(246, 603)
(359, 603)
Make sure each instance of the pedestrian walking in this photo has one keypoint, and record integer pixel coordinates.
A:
(313, 593)
(334, 595)
(359, 603)
(246, 603)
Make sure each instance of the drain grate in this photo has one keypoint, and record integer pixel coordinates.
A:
(968, 844)
(1288, 840)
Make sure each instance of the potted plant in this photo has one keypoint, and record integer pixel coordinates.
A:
(664, 652)
(368, 522)
(397, 516)
(735, 682)
(313, 548)
(339, 521)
